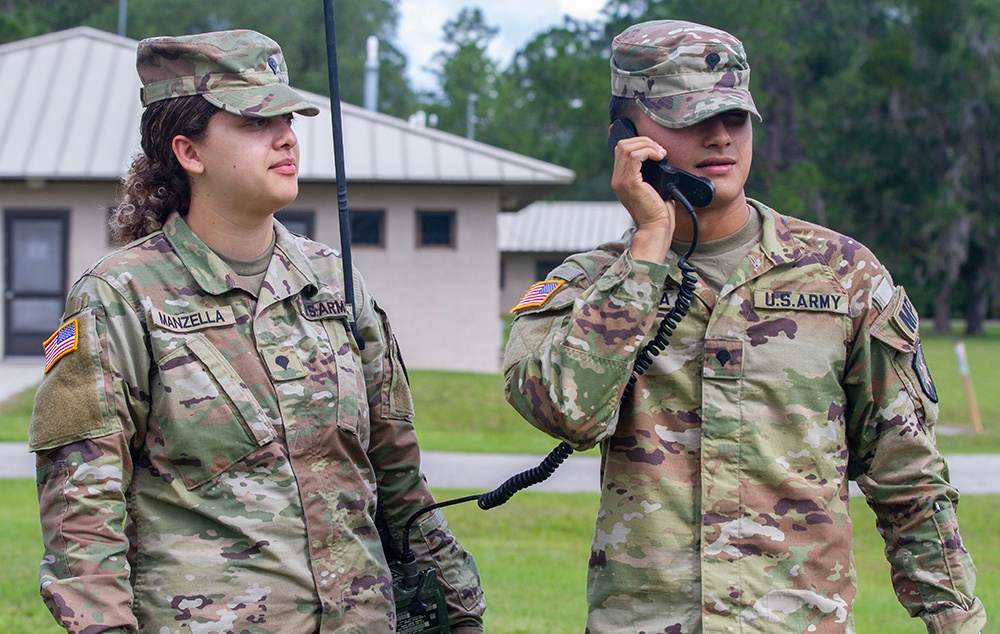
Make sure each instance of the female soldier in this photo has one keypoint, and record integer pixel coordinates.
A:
(211, 442)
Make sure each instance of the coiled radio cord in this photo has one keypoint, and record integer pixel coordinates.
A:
(540, 473)
(677, 311)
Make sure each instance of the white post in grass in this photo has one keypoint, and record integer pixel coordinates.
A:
(970, 394)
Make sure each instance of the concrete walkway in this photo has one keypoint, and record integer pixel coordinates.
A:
(19, 373)
(971, 473)
(448, 470)
(472, 471)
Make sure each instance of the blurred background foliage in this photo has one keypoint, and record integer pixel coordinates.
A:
(880, 116)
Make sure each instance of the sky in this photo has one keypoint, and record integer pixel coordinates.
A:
(518, 20)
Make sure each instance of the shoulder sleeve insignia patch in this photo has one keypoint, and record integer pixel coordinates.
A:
(61, 343)
(538, 294)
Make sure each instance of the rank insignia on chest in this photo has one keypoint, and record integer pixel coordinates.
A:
(538, 294)
(283, 363)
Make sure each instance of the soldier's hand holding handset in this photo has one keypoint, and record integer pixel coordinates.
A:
(653, 216)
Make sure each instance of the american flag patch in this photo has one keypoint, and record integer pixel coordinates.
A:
(61, 343)
(538, 294)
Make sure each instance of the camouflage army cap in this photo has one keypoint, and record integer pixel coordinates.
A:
(242, 72)
(681, 73)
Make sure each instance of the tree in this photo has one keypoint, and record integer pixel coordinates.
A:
(463, 70)
(20, 19)
(879, 115)
(553, 106)
(917, 173)
(297, 26)
(15, 25)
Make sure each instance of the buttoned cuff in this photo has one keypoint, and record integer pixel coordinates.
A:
(656, 271)
(957, 620)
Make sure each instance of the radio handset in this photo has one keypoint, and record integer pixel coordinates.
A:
(663, 176)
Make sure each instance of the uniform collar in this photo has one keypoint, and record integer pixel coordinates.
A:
(777, 246)
(215, 277)
(777, 243)
(295, 275)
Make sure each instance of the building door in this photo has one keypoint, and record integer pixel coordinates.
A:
(35, 248)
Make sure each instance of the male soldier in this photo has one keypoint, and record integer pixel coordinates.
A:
(724, 477)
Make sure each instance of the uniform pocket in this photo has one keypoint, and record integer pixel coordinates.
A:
(212, 420)
(954, 557)
(396, 401)
(352, 405)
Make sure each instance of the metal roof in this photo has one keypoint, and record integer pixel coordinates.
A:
(70, 111)
(561, 226)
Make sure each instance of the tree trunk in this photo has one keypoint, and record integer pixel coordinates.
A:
(980, 276)
(942, 310)
(975, 315)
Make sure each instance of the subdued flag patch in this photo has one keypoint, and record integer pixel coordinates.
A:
(538, 294)
(906, 320)
(61, 343)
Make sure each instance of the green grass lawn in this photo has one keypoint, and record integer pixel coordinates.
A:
(532, 554)
(467, 412)
(15, 414)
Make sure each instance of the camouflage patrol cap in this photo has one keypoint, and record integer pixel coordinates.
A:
(680, 73)
(242, 72)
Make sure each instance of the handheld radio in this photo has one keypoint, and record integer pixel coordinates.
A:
(663, 176)
(420, 609)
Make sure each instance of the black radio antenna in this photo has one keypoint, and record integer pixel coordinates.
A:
(338, 161)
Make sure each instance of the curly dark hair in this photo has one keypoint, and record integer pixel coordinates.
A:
(156, 184)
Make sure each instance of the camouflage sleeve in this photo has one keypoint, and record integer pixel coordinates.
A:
(568, 360)
(402, 488)
(905, 480)
(80, 436)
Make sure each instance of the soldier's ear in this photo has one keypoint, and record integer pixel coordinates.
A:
(187, 154)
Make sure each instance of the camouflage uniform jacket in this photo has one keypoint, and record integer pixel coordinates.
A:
(724, 479)
(224, 474)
